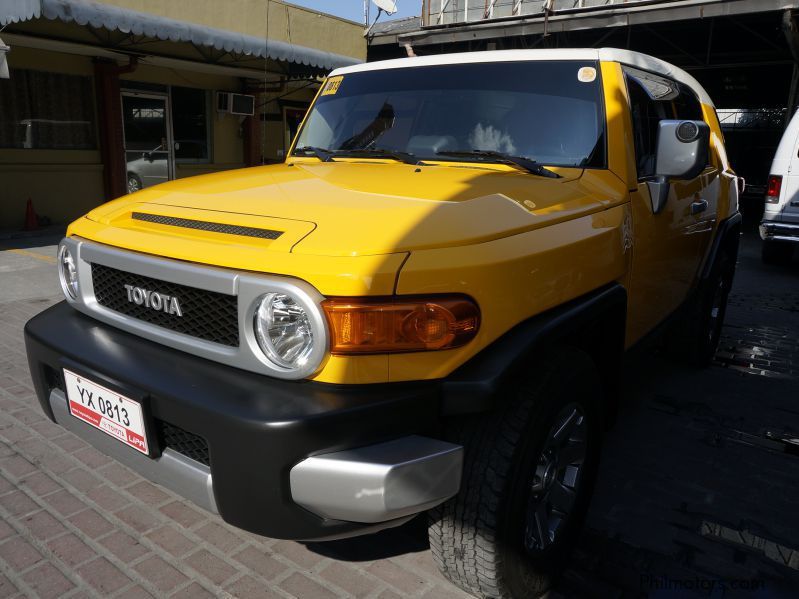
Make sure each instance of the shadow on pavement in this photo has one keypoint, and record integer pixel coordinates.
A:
(697, 487)
(44, 238)
(408, 538)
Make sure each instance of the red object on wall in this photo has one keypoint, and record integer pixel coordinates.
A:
(31, 220)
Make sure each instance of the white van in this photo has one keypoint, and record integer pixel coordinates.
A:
(780, 226)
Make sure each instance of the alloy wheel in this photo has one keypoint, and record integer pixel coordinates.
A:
(556, 479)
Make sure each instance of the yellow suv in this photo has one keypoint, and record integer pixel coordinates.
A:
(423, 309)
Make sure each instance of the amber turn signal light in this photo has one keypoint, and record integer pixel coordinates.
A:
(400, 324)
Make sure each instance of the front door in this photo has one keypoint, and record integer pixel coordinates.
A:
(148, 144)
(669, 246)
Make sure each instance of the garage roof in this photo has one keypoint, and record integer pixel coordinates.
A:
(125, 20)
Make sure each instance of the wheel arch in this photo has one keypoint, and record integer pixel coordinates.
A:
(726, 240)
(594, 323)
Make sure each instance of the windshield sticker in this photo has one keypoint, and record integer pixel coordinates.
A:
(586, 74)
(332, 85)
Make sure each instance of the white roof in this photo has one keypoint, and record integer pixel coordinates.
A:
(627, 57)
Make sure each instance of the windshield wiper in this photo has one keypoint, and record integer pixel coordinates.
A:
(527, 164)
(321, 153)
(405, 157)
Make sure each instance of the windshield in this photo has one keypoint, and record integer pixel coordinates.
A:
(548, 111)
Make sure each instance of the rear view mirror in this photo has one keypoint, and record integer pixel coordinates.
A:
(682, 153)
(682, 149)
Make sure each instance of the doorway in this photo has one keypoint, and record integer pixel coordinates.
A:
(147, 132)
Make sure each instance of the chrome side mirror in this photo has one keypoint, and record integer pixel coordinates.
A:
(682, 153)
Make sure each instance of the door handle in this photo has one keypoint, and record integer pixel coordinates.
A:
(698, 206)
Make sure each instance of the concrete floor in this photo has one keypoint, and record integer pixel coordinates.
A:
(27, 268)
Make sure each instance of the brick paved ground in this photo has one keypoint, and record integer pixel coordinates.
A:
(697, 482)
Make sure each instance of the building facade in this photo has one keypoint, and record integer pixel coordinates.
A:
(106, 98)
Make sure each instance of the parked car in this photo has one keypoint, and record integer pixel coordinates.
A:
(424, 309)
(779, 229)
(151, 167)
(148, 168)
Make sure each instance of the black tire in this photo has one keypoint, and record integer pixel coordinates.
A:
(776, 252)
(695, 337)
(478, 538)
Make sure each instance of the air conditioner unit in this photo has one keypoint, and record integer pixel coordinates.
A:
(240, 104)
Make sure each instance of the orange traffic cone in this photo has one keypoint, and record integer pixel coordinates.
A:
(31, 220)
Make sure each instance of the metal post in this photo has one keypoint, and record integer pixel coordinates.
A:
(792, 95)
(549, 7)
(791, 33)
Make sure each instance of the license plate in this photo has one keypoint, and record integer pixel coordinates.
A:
(112, 413)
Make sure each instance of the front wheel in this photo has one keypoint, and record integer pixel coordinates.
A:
(529, 471)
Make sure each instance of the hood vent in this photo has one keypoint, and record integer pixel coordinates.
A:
(202, 225)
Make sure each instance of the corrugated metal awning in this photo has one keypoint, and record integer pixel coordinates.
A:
(151, 26)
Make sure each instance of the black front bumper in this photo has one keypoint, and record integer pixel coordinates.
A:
(256, 428)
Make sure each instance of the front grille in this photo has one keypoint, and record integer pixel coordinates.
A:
(203, 225)
(54, 378)
(185, 443)
(206, 315)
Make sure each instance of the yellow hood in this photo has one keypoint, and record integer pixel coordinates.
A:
(348, 208)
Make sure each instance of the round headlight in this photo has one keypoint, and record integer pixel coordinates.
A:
(283, 330)
(68, 272)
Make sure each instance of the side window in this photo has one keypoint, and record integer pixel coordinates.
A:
(646, 115)
(687, 106)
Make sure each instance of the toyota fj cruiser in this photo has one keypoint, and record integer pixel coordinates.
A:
(424, 308)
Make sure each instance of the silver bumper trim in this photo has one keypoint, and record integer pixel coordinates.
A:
(779, 231)
(176, 472)
(379, 482)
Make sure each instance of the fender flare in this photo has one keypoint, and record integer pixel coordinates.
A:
(728, 236)
(478, 385)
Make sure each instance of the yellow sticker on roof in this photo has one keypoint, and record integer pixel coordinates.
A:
(332, 85)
